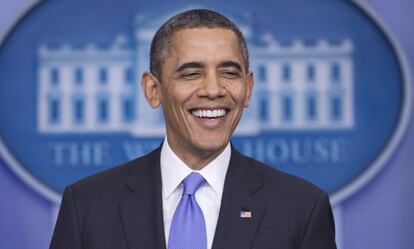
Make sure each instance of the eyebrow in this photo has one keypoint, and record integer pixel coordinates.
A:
(195, 64)
(189, 65)
(231, 64)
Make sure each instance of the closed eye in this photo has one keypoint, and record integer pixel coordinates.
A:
(190, 76)
(230, 75)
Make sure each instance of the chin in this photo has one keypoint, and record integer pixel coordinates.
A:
(211, 145)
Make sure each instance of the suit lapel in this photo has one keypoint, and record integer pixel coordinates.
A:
(239, 194)
(141, 208)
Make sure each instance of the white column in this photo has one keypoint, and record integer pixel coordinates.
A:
(42, 100)
(66, 90)
(323, 81)
(116, 83)
(348, 97)
(298, 75)
(91, 80)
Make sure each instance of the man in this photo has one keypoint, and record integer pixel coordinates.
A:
(195, 191)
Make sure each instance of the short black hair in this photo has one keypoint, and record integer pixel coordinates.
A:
(195, 18)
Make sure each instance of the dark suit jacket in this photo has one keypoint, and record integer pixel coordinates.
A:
(122, 208)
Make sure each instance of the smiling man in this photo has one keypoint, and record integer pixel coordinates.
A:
(203, 88)
(195, 191)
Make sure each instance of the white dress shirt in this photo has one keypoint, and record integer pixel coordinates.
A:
(208, 196)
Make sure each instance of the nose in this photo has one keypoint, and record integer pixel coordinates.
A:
(212, 87)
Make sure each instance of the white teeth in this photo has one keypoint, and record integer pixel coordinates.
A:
(209, 113)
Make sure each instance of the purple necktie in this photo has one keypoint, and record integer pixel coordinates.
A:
(188, 228)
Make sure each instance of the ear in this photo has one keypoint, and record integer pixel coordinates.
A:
(152, 89)
(249, 86)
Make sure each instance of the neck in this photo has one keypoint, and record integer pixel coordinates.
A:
(194, 158)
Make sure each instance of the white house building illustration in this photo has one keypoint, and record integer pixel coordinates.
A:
(299, 85)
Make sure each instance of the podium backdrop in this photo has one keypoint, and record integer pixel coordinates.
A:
(333, 103)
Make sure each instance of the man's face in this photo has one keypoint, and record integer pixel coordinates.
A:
(203, 90)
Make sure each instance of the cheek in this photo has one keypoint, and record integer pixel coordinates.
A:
(185, 92)
(237, 91)
(177, 98)
(227, 84)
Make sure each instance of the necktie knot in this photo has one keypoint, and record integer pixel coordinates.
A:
(192, 182)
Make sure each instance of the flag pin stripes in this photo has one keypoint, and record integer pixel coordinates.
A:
(245, 214)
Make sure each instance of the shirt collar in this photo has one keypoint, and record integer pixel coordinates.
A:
(174, 170)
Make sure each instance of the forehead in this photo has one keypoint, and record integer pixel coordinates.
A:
(205, 44)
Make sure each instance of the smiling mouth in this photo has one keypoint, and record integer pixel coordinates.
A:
(209, 113)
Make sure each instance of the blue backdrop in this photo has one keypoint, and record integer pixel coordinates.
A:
(377, 216)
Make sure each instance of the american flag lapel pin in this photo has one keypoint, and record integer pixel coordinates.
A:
(245, 214)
